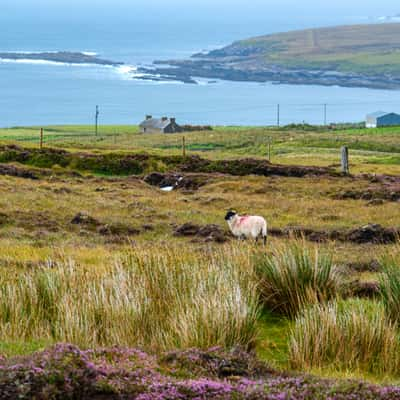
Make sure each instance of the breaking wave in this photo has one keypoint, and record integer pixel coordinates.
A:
(126, 71)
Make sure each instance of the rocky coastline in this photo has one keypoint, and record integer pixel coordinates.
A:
(364, 56)
(187, 70)
(67, 57)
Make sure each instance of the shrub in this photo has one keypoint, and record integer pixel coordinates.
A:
(345, 335)
(292, 278)
(67, 372)
(389, 285)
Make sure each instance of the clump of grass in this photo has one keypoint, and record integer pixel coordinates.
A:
(167, 299)
(345, 335)
(389, 284)
(293, 277)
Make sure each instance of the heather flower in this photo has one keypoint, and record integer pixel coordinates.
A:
(67, 372)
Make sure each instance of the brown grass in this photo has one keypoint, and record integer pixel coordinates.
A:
(345, 336)
(169, 299)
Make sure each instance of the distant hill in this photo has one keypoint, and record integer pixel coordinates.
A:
(348, 48)
(355, 55)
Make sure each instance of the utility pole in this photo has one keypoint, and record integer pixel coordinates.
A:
(278, 116)
(96, 120)
(325, 115)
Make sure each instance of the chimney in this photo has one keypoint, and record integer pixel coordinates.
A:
(164, 118)
(173, 120)
(148, 117)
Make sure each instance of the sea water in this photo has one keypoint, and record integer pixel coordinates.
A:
(139, 32)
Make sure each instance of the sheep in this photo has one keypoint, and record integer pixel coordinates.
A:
(247, 226)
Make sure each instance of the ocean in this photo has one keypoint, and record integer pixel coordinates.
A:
(137, 33)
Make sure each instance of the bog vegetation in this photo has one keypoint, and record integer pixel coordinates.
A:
(155, 300)
(291, 279)
(347, 335)
(93, 254)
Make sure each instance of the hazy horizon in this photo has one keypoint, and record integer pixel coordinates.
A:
(232, 20)
(177, 9)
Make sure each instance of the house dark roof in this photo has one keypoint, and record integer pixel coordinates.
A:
(156, 123)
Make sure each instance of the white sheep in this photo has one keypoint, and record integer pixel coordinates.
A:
(247, 226)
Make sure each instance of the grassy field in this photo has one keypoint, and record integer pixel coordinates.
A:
(69, 281)
(372, 150)
(355, 48)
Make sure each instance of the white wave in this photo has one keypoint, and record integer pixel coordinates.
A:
(48, 62)
(29, 61)
(44, 61)
(125, 72)
(29, 52)
(126, 69)
(86, 53)
(120, 68)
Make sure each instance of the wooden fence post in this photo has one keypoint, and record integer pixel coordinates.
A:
(269, 149)
(345, 160)
(183, 146)
(41, 138)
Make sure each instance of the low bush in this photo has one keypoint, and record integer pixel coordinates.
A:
(67, 372)
(293, 277)
(346, 335)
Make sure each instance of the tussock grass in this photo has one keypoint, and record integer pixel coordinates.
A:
(348, 335)
(389, 284)
(170, 298)
(294, 276)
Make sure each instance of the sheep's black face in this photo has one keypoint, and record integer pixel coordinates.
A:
(229, 215)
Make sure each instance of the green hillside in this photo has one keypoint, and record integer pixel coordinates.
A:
(351, 56)
(362, 48)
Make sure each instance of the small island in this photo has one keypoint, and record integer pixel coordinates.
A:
(67, 57)
(350, 56)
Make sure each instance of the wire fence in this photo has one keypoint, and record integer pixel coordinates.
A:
(100, 131)
(238, 112)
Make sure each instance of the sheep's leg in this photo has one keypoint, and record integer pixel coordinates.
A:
(260, 234)
(265, 240)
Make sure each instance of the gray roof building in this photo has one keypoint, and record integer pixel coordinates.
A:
(382, 118)
(159, 125)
